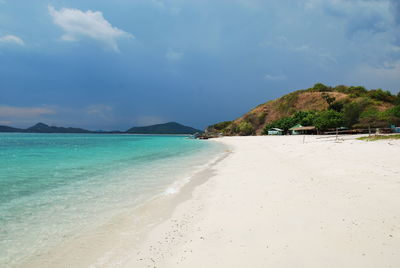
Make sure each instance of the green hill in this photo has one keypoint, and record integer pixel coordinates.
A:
(10, 129)
(167, 128)
(322, 106)
(43, 128)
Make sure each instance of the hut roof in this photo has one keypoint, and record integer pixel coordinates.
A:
(302, 128)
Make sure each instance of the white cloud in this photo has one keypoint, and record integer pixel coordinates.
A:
(11, 39)
(90, 24)
(174, 55)
(275, 77)
(13, 111)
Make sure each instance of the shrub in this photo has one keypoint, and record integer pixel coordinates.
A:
(319, 87)
(358, 91)
(256, 119)
(286, 103)
(340, 88)
(244, 128)
(261, 117)
(222, 125)
(381, 95)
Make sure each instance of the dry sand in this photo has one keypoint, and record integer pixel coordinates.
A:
(272, 202)
(279, 202)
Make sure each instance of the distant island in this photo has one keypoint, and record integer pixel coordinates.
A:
(166, 128)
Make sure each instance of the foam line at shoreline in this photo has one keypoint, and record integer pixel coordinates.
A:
(108, 244)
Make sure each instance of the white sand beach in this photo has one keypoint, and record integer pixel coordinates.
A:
(271, 202)
(279, 202)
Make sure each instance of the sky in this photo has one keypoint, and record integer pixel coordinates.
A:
(101, 64)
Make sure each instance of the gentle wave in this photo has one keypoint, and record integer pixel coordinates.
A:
(53, 186)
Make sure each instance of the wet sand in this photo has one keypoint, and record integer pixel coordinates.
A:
(269, 202)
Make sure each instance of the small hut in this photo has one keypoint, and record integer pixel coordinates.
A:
(300, 130)
(395, 129)
(275, 131)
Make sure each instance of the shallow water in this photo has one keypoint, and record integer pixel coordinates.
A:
(54, 185)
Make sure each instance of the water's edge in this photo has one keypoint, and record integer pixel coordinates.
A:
(111, 242)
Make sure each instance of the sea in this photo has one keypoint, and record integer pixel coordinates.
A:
(54, 185)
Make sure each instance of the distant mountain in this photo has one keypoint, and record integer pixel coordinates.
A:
(10, 129)
(167, 128)
(43, 128)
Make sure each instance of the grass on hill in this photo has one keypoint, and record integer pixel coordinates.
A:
(381, 137)
(322, 106)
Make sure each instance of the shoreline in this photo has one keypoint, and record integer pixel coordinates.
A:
(106, 244)
(269, 202)
(279, 202)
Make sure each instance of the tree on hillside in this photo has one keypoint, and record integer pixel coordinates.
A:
(319, 87)
(284, 123)
(244, 128)
(382, 95)
(353, 110)
(330, 100)
(393, 115)
(305, 118)
(256, 119)
(397, 102)
(328, 119)
(395, 111)
(220, 126)
(338, 105)
(357, 91)
(372, 118)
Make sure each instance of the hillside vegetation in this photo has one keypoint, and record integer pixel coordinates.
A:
(321, 106)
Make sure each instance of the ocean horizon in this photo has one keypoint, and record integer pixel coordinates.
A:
(53, 186)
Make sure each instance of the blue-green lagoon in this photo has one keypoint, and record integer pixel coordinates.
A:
(54, 185)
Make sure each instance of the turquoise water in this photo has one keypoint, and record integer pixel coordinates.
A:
(52, 185)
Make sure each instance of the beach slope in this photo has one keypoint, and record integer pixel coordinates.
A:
(285, 202)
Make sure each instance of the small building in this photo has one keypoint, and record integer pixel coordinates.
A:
(300, 130)
(395, 129)
(275, 131)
